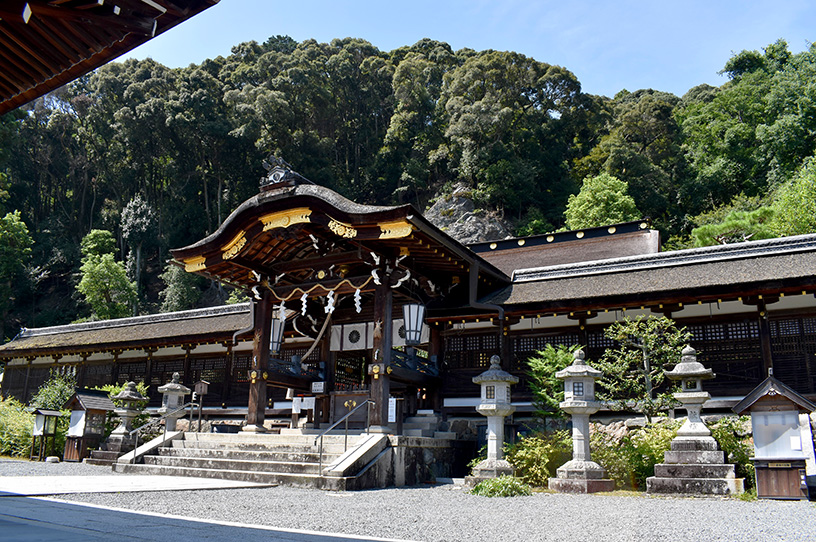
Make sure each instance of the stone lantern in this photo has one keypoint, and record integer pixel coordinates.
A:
(581, 474)
(495, 404)
(120, 439)
(172, 399)
(691, 373)
(694, 465)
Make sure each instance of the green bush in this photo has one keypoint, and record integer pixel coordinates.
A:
(52, 395)
(734, 437)
(629, 460)
(537, 456)
(503, 486)
(16, 425)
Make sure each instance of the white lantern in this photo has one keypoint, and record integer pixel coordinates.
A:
(276, 336)
(413, 315)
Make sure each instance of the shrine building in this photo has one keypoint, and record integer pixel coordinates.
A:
(355, 302)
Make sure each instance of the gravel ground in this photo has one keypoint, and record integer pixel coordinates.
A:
(448, 513)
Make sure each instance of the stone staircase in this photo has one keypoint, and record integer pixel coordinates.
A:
(424, 424)
(290, 459)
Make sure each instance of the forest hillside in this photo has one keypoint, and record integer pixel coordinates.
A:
(155, 158)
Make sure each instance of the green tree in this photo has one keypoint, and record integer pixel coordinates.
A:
(633, 370)
(736, 227)
(603, 200)
(104, 283)
(15, 251)
(138, 229)
(182, 290)
(794, 203)
(54, 392)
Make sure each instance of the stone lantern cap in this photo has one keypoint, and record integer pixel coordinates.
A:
(579, 368)
(495, 374)
(174, 387)
(689, 367)
(129, 394)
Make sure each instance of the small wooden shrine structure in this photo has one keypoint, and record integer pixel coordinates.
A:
(89, 411)
(783, 439)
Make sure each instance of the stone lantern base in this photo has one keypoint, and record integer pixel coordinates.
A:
(488, 469)
(578, 476)
(694, 466)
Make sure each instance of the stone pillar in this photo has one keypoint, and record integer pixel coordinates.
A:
(581, 474)
(259, 364)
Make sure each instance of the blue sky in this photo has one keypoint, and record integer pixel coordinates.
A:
(660, 44)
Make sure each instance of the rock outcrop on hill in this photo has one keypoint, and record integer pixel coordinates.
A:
(456, 215)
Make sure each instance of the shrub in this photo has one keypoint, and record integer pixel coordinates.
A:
(537, 456)
(16, 425)
(503, 486)
(734, 437)
(52, 395)
(630, 458)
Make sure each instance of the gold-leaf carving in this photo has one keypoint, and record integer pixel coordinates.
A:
(284, 219)
(395, 230)
(231, 249)
(343, 230)
(191, 265)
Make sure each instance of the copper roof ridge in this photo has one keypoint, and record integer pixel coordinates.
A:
(675, 258)
(206, 312)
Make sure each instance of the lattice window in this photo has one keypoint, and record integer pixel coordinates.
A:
(98, 374)
(470, 351)
(132, 372)
(732, 350)
(793, 350)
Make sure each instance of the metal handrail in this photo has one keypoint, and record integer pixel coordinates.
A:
(338, 422)
(153, 422)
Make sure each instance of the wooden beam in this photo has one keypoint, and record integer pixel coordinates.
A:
(144, 26)
(319, 263)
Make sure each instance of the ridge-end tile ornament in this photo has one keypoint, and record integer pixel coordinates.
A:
(694, 465)
(495, 405)
(580, 474)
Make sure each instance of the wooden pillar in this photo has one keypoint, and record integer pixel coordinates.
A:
(765, 337)
(30, 360)
(378, 371)
(225, 390)
(115, 367)
(150, 350)
(188, 376)
(82, 373)
(435, 392)
(260, 364)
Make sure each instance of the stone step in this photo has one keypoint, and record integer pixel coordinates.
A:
(449, 435)
(424, 420)
(699, 470)
(105, 455)
(250, 439)
(262, 455)
(214, 463)
(417, 432)
(288, 479)
(328, 447)
(693, 457)
(694, 486)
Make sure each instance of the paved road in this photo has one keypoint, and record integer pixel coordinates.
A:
(28, 519)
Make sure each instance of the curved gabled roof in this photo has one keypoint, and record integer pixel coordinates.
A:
(294, 234)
